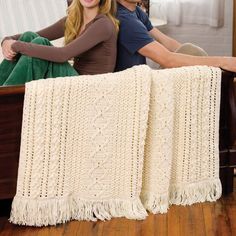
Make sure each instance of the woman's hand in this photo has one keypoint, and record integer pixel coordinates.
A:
(7, 51)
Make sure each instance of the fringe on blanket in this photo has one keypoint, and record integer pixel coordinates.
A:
(188, 194)
(155, 203)
(55, 211)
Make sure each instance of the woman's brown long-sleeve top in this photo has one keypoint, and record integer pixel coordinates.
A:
(94, 50)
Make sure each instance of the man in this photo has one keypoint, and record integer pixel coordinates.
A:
(138, 40)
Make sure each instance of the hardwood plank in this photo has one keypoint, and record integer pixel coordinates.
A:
(230, 207)
(222, 221)
(161, 224)
(231, 212)
(116, 227)
(186, 222)
(173, 221)
(133, 229)
(209, 218)
(146, 227)
(86, 228)
(9, 229)
(196, 218)
(72, 228)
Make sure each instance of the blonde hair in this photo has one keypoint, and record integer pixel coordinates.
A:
(74, 19)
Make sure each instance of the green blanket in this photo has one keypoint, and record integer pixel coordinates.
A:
(25, 69)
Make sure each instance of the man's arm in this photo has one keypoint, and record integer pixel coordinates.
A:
(167, 59)
(167, 42)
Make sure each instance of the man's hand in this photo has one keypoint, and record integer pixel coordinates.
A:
(7, 51)
(229, 63)
(159, 54)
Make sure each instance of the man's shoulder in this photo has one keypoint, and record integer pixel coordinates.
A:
(126, 18)
(136, 17)
(140, 10)
(141, 14)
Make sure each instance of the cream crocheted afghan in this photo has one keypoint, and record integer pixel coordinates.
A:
(181, 164)
(83, 138)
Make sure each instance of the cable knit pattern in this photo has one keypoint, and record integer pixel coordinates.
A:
(195, 163)
(92, 146)
(158, 147)
(181, 153)
(82, 148)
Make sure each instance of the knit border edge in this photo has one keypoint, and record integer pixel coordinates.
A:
(51, 212)
(189, 194)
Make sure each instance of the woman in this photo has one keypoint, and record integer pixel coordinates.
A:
(90, 30)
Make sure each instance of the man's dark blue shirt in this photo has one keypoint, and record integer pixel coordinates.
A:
(133, 35)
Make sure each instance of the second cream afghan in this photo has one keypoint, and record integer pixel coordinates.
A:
(181, 163)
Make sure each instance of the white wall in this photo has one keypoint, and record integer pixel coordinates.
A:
(216, 41)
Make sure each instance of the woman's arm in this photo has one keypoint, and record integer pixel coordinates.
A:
(52, 32)
(99, 31)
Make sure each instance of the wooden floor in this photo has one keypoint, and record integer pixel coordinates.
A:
(208, 219)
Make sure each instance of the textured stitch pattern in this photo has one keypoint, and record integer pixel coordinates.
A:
(82, 148)
(181, 164)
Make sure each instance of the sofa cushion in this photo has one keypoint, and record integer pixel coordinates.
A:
(1, 56)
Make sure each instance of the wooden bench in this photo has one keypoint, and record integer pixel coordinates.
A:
(227, 143)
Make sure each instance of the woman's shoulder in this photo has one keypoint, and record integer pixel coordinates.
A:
(104, 21)
(102, 17)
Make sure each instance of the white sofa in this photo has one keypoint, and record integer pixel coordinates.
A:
(1, 56)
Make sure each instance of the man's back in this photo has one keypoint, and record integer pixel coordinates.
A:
(133, 35)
